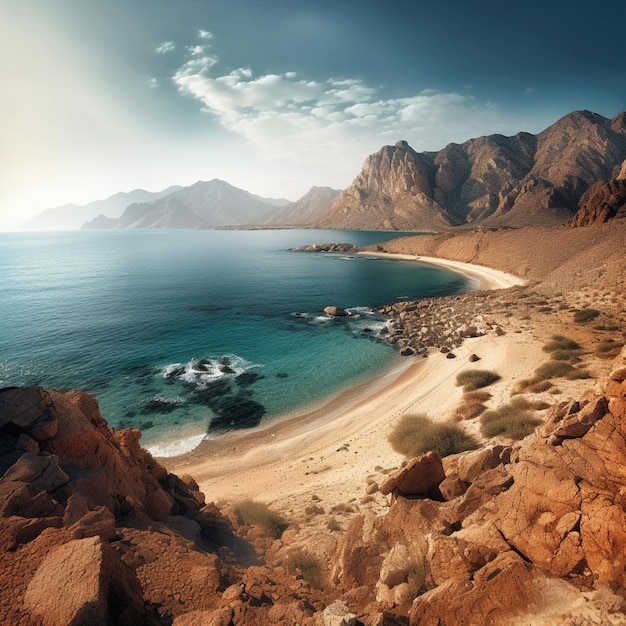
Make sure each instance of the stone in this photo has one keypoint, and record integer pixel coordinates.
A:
(336, 311)
(41, 472)
(419, 477)
(84, 583)
(338, 614)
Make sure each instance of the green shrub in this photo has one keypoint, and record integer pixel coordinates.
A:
(415, 434)
(559, 342)
(475, 379)
(510, 421)
(258, 514)
(585, 315)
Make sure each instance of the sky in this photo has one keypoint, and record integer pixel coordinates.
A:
(275, 96)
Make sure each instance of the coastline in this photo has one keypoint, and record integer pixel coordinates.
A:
(486, 277)
(334, 447)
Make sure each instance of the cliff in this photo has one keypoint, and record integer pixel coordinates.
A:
(491, 181)
(93, 531)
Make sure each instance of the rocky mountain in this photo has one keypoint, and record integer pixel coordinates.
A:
(491, 181)
(72, 216)
(604, 202)
(305, 211)
(203, 204)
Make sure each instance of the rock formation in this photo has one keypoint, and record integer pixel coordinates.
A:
(94, 532)
(604, 202)
(495, 180)
(530, 524)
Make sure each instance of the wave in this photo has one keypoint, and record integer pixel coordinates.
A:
(176, 448)
(199, 372)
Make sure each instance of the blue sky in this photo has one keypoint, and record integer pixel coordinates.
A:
(275, 96)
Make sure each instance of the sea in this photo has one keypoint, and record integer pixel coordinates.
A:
(186, 334)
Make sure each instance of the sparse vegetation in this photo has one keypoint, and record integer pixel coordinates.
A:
(471, 380)
(469, 408)
(559, 342)
(333, 524)
(560, 369)
(585, 315)
(415, 434)
(258, 514)
(531, 385)
(609, 348)
(307, 567)
(513, 421)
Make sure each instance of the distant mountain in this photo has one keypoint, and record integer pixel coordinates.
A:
(303, 212)
(203, 204)
(493, 181)
(72, 216)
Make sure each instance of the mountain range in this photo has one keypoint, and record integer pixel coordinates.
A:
(73, 216)
(489, 181)
(201, 205)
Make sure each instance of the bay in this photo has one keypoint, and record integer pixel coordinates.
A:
(180, 332)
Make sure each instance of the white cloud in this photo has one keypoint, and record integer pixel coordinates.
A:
(196, 50)
(205, 34)
(277, 109)
(166, 46)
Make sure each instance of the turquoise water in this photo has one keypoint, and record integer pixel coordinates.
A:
(180, 332)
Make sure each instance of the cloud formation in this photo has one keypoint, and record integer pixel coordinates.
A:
(288, 113)
(166, 46)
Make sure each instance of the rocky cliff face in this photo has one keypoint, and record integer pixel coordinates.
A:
(603, 203)
(94, 532)
(495, 180)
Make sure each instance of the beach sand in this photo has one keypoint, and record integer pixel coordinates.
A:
(329, 454)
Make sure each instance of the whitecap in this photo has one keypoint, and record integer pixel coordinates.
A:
(176, 448)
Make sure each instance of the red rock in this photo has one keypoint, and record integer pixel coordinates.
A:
(83, 582)
(419, 478)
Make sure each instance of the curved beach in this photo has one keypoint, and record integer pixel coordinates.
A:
(329, 452)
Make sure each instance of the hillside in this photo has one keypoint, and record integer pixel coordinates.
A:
(490, 181)
(304, 211)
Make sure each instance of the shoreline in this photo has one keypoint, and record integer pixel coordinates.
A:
(486, 277)
(354, 424)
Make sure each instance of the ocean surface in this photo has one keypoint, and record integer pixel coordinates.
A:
(184, 333)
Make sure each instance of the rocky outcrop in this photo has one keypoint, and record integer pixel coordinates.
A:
(494, 180)
(550, 507)
(94, 531)
(336, 311)
(605, 202)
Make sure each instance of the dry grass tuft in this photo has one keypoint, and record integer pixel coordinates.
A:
(416, 434)
(471, 380)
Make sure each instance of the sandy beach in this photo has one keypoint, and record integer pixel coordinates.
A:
(329, 453)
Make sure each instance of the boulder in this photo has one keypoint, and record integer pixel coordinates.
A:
(84, 583)
(420, 477)
(336, 311)
(338, 614)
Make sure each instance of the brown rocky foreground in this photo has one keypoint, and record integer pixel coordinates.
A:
(93, 530)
